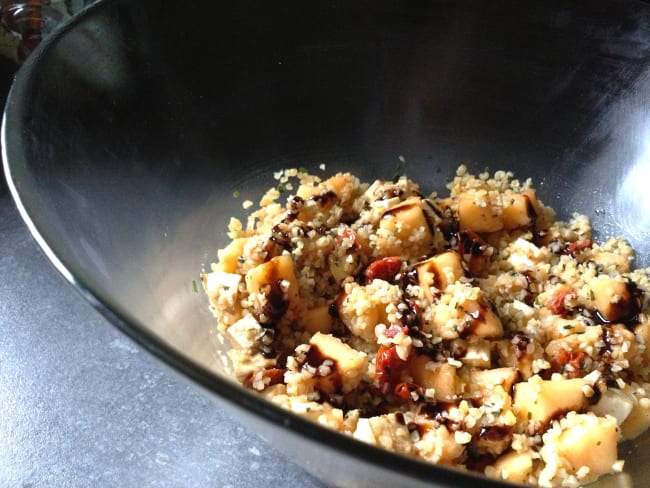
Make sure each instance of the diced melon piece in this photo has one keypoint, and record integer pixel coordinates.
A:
(442, 377)
(476, 252)
(339, 183)
(385, 431)
(342, 185)
(514, 466)
(518, 211)
(437, 444)
(229, 255)
(350, 363)
(611, 297)
(487, 380)
(440, 270)
(588, 440)
(336, 183)
(477, 213)
(399, 223)
(478, 354)
(542, 216)
(362, 325)
(317, 320)
(464, 311)
(540, 400)
(519, 353)
(494, 391)
(621, 336)
(484, 322)
(308, 190)
(271, 273)
(327, 380)
(361, 308)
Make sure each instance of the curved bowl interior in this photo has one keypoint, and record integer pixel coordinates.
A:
(128, 132)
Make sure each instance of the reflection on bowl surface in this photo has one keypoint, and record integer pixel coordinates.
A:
(128, 131)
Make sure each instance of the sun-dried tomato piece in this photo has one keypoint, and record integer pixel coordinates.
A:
(577, 247)
(556, 304)
(570, 363)
(388, 366)
(384, 269)
(349, 237)
(407, 391)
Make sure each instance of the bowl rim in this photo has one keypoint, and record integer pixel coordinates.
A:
(184, 366)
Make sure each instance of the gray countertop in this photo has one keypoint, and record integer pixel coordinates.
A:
(81, 405)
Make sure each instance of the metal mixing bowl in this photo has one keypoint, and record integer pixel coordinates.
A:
(127, 132)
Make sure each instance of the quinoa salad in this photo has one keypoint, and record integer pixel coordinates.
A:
(472, 329)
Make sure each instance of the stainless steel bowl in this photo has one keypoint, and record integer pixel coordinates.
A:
(127, 132)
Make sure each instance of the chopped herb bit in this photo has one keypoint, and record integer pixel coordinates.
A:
(236, 193)
(282, 188)
(195, 286)
(302, 170)
(241, 259)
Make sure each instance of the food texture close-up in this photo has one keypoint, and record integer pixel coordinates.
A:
(471, 329)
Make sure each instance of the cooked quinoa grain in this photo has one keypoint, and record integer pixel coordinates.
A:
(473, 330)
